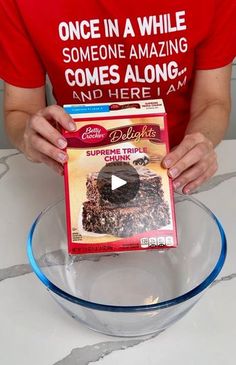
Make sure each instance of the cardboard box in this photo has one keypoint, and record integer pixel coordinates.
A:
(118, 196)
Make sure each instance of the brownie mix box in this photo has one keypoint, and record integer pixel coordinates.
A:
(118, 196)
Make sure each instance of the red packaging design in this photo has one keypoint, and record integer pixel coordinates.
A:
(118, 196)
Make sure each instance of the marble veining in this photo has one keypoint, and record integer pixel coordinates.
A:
(20, 270)
(212, 183)
(224, 278)
(93, 353)
(14, 271)
(58, 258)
(50, 259)
(3, 162)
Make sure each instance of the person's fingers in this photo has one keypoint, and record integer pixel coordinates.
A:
(199, 172)
(47, 149)
(191, 158)
(193, 185)
(33, 156)
(57, 114)
(38, 157)
(41, 126)
(57, 167)
(197, 157)
(43, 140)
(188, 143)
(194, 171)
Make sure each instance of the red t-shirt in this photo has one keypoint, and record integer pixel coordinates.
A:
(105, 50)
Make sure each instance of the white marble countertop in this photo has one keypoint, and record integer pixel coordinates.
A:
(34, 330)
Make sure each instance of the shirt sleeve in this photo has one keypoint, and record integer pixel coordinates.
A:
(219, 47)
(20, 64)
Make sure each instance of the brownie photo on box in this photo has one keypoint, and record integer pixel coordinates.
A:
(124, 222)
(145, 212)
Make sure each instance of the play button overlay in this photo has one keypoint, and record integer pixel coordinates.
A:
(118, 183)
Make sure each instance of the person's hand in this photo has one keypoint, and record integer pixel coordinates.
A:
(191, 163)
(42, 142)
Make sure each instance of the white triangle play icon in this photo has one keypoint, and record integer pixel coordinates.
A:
(116, 182)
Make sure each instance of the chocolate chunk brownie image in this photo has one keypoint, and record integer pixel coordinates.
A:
(143, 161)
(145, 212)
(124, 222)
(150, 188)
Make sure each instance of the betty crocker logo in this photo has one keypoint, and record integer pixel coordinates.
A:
(96, 135)
(92, 134)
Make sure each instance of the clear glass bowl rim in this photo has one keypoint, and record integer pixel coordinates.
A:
(129, 309)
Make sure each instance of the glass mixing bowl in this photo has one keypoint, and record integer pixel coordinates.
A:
(132, 293)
